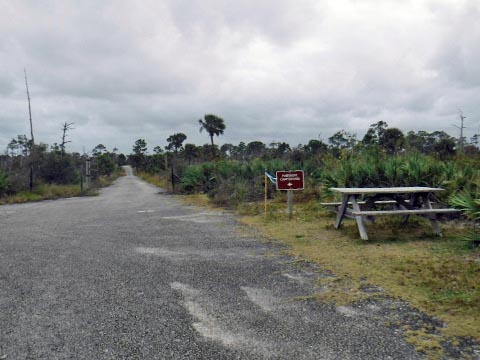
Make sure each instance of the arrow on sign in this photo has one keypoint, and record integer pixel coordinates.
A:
(289, 184)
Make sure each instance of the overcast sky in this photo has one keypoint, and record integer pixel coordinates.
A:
(274, 70)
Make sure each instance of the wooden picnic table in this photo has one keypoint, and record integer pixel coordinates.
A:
(363, 202)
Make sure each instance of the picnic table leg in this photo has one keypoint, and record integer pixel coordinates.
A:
(432, 217)
(410, 204)
(341, 211)
(359, 219)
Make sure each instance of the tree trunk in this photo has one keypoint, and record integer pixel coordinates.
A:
(213, 149)
(32, 150)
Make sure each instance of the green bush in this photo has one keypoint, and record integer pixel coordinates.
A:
(193, 179)
(5, 186)
(58, 169)
(469, 201)
(230, 182)
(105, 164)
(381, 170)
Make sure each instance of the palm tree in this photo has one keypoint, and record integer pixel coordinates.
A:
(175, 141)
(214, 125)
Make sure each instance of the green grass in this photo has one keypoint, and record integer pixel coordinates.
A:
(156, 180)
(47, 192)
(436, 275)
(54, 191)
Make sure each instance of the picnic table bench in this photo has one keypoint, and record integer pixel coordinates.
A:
(364, 202)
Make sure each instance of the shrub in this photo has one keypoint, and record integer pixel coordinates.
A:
(469, 202)
(5, 186)
(105, 164)
(58, 169)
(193, 179)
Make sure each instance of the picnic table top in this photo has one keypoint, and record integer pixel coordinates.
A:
(387, 190)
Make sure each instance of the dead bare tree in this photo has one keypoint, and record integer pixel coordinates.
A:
(65, 128)
(32, 148)
(461, 139)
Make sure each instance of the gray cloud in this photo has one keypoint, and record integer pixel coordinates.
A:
(458, 53)
(274, 70)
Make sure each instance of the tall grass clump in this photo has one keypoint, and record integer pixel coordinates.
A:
(468, 200)
(377, 169)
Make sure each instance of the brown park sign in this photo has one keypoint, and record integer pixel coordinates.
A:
(290, 180)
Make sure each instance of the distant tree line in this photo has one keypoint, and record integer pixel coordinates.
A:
(53, 164)
(233, 173)
(378, 136)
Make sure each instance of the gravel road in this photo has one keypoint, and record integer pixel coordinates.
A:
(135, 274)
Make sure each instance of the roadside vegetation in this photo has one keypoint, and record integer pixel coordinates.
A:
(38, 172)
(46, 192)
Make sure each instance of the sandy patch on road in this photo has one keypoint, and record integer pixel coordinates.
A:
(209, 324)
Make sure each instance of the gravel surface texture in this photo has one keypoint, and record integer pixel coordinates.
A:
(135, 274)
